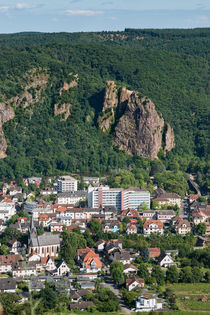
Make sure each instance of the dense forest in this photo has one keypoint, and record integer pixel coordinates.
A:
(171, 67)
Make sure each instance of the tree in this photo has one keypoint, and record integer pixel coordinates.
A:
(143, 272)
(71, 242)
(172, 274)
(4, 249)
(158, 274)
(145, 254)
(197, 274)
(95, 226)
(186, 275)
(49, 297)
(116, 271)
(129, 297)
(207, 276)
(171, 298)
(126, 220)
(200, 228)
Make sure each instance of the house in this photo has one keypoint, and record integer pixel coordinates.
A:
(166, 260)
(111, 226)
(130, 213)
(7, 208)
(15, 190)
(152, 226)
(14, 246)
(165, 215)
(134, 283)
(8, 285)
(72, 197)
(81, 306)
(56, 227)
(130, 269)
(201, 214)
(100, 245)
(22, 220)
(23, 269)
(48, 191)
(148, 302)
(181, 226)
(62, 268)
(162, 197)
(193, 197)
(77, 295)
(154, 252)
(88, 260)
(7, 261)
(120, 255)
(131, 229)
(148, 214)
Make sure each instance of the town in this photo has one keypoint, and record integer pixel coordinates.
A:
(72, 243)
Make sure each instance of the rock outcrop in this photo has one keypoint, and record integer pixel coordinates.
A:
(6, 113)
(137, 127)
(61, 108)
(110, 103)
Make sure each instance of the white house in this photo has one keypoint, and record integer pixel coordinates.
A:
(153, 226)
(148, 302)
(166, 261)
(62, 268)
(134, 283)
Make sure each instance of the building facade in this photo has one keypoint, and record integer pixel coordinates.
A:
(67, 183)
(121, 199)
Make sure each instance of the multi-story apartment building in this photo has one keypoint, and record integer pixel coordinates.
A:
(121, 199)
(67, 183)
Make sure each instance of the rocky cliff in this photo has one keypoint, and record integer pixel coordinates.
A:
(137, 127)
(6, 113)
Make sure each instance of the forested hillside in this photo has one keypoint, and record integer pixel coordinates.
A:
(171, 67)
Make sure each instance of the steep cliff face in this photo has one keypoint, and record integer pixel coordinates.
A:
(6, 113)
(110, 103)
(138, 128)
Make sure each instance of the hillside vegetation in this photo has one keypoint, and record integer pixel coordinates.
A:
(171, 67)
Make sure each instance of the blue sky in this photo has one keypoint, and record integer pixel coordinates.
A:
(98, 15)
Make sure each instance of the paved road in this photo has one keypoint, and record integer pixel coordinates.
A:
(109, 284)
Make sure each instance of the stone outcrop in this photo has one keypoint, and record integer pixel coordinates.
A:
(64, 108)
(36, 82)
(138, 128)
(110, 103)
(6, 113)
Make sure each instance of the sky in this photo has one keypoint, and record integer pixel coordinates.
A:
(101, 15)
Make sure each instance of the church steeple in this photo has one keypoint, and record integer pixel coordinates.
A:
(32, 230)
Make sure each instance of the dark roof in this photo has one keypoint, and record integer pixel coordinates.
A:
(81, 305)
(7, 284)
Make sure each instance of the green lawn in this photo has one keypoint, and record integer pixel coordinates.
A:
(191, 288)
(197, 305)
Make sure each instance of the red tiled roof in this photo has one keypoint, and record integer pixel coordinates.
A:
(158, 223)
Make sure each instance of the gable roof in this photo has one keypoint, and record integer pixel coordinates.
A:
(129, 281)
(156, 222)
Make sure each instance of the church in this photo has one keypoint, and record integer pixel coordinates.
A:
(44, 245)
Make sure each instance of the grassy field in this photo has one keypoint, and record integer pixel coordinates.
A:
(173, 312)
(191, 288)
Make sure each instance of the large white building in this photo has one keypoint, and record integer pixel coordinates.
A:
(67, 183)
(73, 197)
(121, 199)
(7, 209)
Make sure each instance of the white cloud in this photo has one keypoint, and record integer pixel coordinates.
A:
(83, 12)
(4, 9)
(23, 6)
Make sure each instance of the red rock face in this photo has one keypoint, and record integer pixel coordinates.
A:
(139, 130)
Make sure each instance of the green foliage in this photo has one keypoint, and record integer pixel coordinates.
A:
(169, 66)
(158, 275)
(116, 271)
(105, 301)
(49, 297)
(172, 274)
(71, 242)
(129, 297)
(200, 228)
